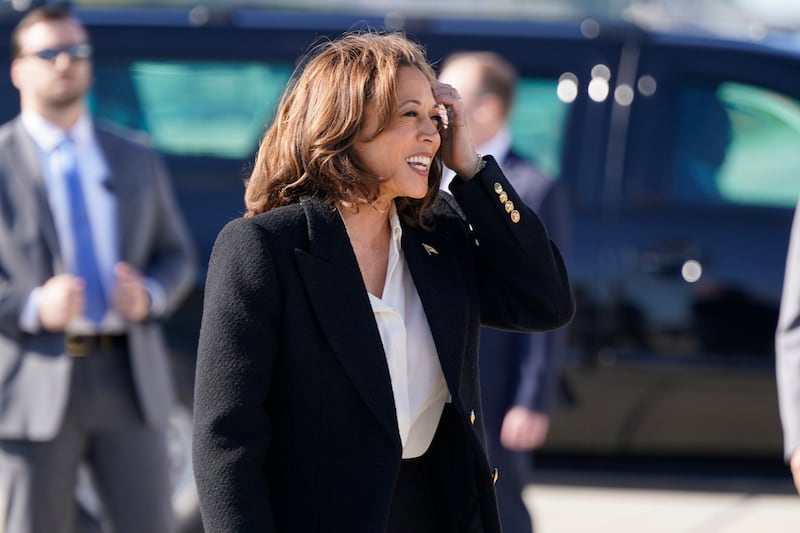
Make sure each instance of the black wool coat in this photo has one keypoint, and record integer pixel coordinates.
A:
(295, 426)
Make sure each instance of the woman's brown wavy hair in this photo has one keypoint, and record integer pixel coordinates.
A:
(309, 147)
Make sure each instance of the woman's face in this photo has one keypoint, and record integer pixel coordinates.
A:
(401, 155)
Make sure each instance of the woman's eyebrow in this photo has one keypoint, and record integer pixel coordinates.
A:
(410, 101)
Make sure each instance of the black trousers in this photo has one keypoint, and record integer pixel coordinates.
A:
(413, 504)
(429, 496)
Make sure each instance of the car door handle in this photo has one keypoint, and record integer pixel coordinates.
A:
(673, 259)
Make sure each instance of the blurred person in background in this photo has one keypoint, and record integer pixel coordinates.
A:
(787, 354)
(337, 379)
(518, 370)
(93, 255)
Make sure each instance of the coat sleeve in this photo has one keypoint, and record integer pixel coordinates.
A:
(522, 276)
(173, 262)
(787, 345)
(235, 361)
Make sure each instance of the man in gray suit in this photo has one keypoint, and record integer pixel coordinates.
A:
(93, 253)
(787, 354)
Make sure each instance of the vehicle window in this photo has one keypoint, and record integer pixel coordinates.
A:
(214, 109)
(537, 123)
(736, 144)
(221, 109)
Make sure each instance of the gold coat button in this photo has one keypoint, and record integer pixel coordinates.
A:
(472, 416)
(503, 197)
(498, 188)
(495, 476)
(514, 216)
(509, 205)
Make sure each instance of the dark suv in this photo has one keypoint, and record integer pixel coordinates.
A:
(680, 152)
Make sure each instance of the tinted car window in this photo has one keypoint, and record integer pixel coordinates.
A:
(538, 122)
(192, 108)
(221, 109)
(736, 143)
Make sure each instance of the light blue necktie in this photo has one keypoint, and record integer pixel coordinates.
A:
(85, 258)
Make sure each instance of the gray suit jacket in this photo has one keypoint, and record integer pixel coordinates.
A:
(34, 370)
(787, 345)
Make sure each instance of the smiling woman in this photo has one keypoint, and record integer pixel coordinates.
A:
(350, 297)
(340, 121)
(399, 154)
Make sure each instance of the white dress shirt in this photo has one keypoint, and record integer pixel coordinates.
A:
(418, 384)
(94, 172)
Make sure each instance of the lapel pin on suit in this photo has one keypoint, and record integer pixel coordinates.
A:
(430, 249)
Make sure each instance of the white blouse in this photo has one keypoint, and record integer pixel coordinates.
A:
(418, 384)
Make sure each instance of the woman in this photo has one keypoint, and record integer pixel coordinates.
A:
(337, 385)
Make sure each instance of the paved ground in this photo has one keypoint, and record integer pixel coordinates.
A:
(626, 503)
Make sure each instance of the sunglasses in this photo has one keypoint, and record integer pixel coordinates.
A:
(75, 52)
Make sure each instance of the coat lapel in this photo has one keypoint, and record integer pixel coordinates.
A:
(339, 297)
(437, 276)
(26, 166)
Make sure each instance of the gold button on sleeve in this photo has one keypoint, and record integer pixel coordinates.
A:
(503, 197)
(498, 188)
(515, 216)
(509, 205)
(472, 416)
(495, 476)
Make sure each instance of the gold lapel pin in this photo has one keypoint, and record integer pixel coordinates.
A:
(430, 249)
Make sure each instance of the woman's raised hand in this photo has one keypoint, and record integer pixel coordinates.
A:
(457, 150)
